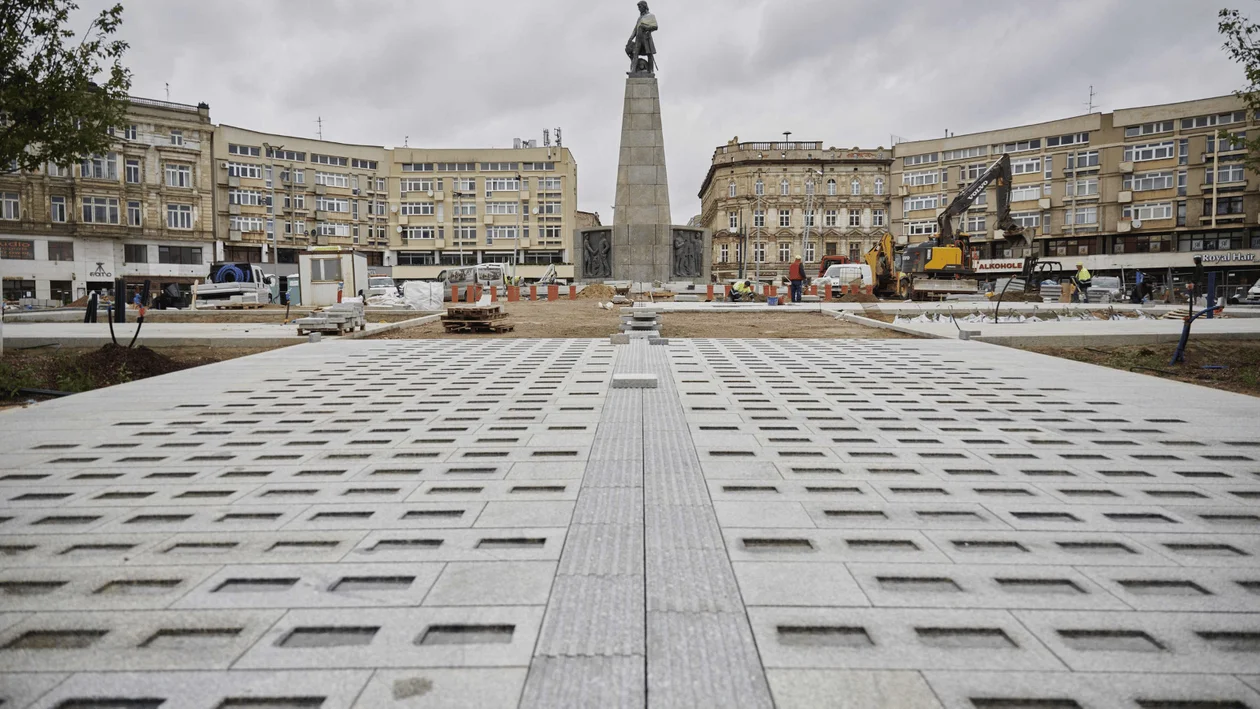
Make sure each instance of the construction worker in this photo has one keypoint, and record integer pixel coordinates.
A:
(1082, 280)
(741, 290)
(796, 274)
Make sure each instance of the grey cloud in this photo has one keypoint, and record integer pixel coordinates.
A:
(846, 72)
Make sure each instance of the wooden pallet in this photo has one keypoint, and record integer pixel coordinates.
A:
(477, 326)
(475, 313)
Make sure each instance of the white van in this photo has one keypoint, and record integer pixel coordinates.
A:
(842, 274)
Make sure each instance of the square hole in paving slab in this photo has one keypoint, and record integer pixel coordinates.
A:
(1161, 587)
(434, 514)
(26, 477)
(367, 491)
(816, 471)
(185, 476)
(1231, 519)
(272, 703)
(1203, 474)
(471, 471)
(1174, 494)
(55, 639)
(970, 471)
(138, 587)
(965, 638)
(313, 544)
(328, 636)
(351, 584)
(1231, 641)
(453, 490)
(1046, 516)
(824, 636)
(777, 544)
(323, 516)
(80, 549)
(1095, 547)
(29, 588)
(38, 496)
(157, 519)
(1110, 641)
(919, 584)
(948, 514)
(190, 638)
(249, 517)
(987, 545)
(65, 520)
(398, 544)
(833, 490)
(466, 635)
(511, 542)
(124, 495)
(1139, 517)
(1190, 704)
(255, 585)
(918, 490)
(1039, 586)
(882, 544)
(1205, 549)
(749, 488)
(1022, 703)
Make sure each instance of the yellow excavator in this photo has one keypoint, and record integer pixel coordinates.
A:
(942, 266)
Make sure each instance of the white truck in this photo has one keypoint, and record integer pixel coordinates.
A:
(1253, 295)
(485, 274)
(234, 283)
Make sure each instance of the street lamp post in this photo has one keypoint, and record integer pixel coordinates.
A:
(520, 222)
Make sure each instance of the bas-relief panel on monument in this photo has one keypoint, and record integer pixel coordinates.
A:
(597, 254)
(688, 254)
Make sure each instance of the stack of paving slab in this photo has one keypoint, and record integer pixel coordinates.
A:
(335, 319)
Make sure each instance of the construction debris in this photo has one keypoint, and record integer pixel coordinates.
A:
(476, 319)
(335, 319)
(597, 291)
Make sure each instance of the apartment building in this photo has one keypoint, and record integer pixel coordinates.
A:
(766, 202)
(454, 207)
(277, 195)
(143, 210)
(1140, 188)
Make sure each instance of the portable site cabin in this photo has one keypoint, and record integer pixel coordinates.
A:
(326, 270)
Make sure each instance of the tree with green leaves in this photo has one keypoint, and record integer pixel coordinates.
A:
(60, 92)
(1242, 43)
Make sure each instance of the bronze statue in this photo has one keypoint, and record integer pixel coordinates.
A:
(640, 48)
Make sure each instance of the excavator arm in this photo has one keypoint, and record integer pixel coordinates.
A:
(999, 173)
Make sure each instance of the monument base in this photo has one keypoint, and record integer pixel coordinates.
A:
(643, 253)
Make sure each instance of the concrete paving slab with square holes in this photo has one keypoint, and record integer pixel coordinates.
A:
(335, 504)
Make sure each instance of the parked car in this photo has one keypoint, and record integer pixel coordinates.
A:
(842, 274)
(1106, 289)
(1253, 295)
(382, 285)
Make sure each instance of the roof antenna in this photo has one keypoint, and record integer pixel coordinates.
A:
(405, 137)
(319, 127)
(1090, 103)
(168, 91)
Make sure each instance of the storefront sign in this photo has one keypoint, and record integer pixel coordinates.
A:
(995, 265)
(17, 249)
(1228, 257)
(100, 272)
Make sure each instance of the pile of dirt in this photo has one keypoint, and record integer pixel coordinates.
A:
(116, 364)
(858, 298)
(597, 291)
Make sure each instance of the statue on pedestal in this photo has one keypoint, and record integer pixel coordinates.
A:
(640, 48)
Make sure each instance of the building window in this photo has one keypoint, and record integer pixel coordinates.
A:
(830, 217)
(1025, 166)
(759, 218)
(363, 164)
(247, 150)
(809, 187)
(240, 169)
(332, 204)
(926, 227)
(830, 248)
(329, 160)
(1155, 210)
(100, 167)
(546, 184)
(785, 218)
(250, 198)
(133, 213)
(1081, 216)
(922, 177)
(129, 133)
(416, 258)
(1049, 169)
(177, 137)
(100, 210)
(975, 224)
(1225, 174)
(410, 209)
(785, 251)
(730, 189)
(1085, 187)
(331, 179)
(1018, 147)
(912, 160)
(135, 253)
(9, 206)
(178, 175)
(17, 250)
(1029, 220)
(61, 251)
(759, 188)
(1150, 151)
(1183, 151)
(784, 187)
(1224, 206)
(809, 251)
(333, 229)
(187, 255)
(877, 217)
(179, 216)
(759, 252)
(1148, 129)
(57, 209)
(1181, 183)
(855, 187)
(1070, 139)
(879, 185)
(855, 218)
(724, 252)
(809, 218)
(831, 187)
(1146, 181)
(1025, 193)
(1217, 120)
(1079, 161)
(55, 170)
(237, 223)
(732, 220)
(918, 202)
(133, 172)
(1181, 214)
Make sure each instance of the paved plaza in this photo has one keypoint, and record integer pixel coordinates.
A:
(490, 523)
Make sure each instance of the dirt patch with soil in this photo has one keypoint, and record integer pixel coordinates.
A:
(78, 369)
(586, 319)
(1239, 361)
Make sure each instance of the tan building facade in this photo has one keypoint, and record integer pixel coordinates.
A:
(1147, 188)
(452, 207)
(767, 202)
(142, 210)
(277, 195)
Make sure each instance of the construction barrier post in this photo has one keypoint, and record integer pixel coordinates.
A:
(454, 294)
(572, 292)
(469, 294)
(513, 293)
(553, 292)
(827, 293)
(533, 292)
(869, 290)
(726, 292)
(771, 291)
(709, 293)
(494, 294)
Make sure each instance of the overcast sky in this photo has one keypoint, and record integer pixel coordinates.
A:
(478, 73)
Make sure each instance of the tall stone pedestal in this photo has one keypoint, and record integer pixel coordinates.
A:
(641, 245)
